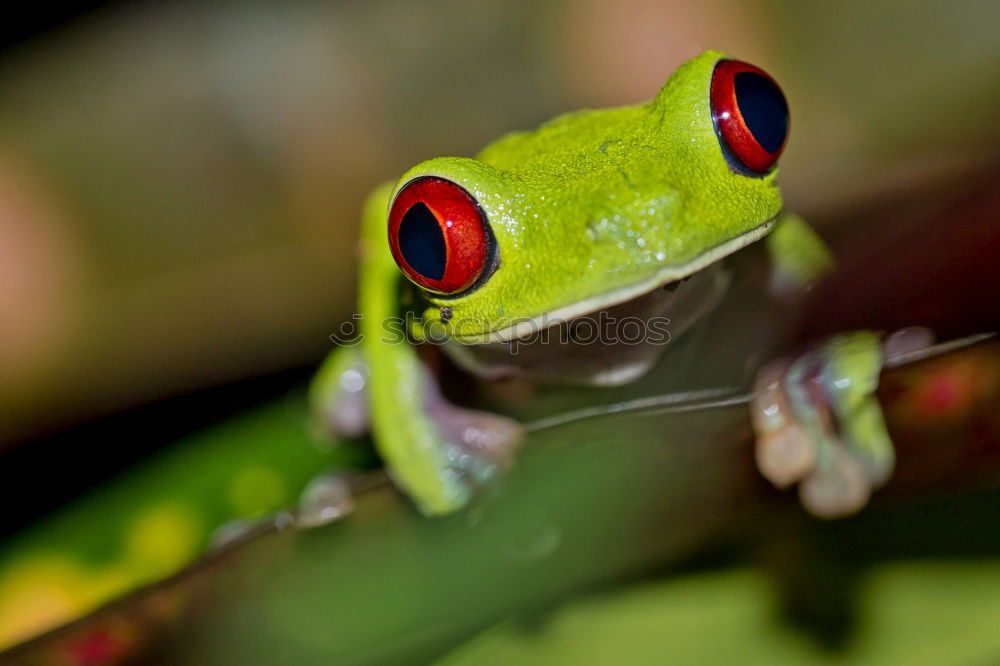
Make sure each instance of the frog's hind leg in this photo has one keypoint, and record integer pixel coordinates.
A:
(435, 451)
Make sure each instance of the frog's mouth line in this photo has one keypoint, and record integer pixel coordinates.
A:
(666, 275)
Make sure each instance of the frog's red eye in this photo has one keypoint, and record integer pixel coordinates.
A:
(439, 235)
(750, 114)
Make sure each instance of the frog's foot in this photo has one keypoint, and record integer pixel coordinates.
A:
(818, 422)
(439, 452)
(338, 395)
(477, 446)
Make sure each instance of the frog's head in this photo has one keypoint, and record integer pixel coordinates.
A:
(594, 208)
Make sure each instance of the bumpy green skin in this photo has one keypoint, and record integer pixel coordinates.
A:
(587, 209)
(593, 201)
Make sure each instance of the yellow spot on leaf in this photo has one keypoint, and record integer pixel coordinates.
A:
(163, 539)
(37, 594)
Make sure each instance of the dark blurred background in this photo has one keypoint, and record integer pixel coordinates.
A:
(180, 182)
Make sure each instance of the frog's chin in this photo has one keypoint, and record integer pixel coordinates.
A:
(667, 274)
(614, 346)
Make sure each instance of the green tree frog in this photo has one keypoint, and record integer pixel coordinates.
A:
(606, 215)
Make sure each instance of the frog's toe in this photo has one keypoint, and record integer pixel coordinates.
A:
(818, 422)
(338, 395)
(784, 452)
(785, 456)
(840, 488)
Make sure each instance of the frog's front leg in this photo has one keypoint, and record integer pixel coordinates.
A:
(437, 452)
(817, 419)
(819, 424)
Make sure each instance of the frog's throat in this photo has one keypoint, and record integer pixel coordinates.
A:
(663, 276)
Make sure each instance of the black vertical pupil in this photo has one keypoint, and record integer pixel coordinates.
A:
(421, 242)
(764, 109)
